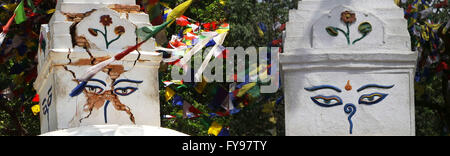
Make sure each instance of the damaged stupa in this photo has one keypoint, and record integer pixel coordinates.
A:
(83, 33)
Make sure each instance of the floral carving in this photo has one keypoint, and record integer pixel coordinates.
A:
(106, 21)
(348, 18)
(93, 32)
(119, 30)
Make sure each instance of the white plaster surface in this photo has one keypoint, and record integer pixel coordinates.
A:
(391, 116)
(70, 112)
(98, 42)
(312, 57)
(81, 6)
(43, 50)
(115, 130)
(321, 39)
(301, 21)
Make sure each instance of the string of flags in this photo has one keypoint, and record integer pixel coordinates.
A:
(427, 34)
(227, 101)
(18, 16)
(18, 45)
(192, 38)
(145, 33)
(19, 42)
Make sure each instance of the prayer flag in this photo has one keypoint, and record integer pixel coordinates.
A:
(215, 129)
(147, 32)
(20, 13)
(6, 29)
(169, 94)
(36, 109)
(190, 111)
(245, 89)
(224, 132)
(179, 10)
(35, 98)
(219, 41)
(201, 86)
(177, 101)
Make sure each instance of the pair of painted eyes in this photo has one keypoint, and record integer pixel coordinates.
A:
(330, 101)
(119, 91)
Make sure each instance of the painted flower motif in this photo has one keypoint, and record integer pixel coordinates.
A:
(348, 17)
(365, 28)
(93, 32)
(119, 30)
(332, 31)
(106, 20)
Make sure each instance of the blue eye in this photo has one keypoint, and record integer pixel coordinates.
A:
(125, 91)
(327, 101)
(370, 99)
(94, 89)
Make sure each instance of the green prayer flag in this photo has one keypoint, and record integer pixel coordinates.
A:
(147, 32)
(20, 13)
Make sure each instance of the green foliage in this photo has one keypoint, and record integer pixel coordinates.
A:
(17, 72)
(243, 17)
(432, 99)
(431, 126)
(432, 102)
(246, 14)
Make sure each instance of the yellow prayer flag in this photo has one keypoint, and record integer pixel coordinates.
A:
(179, 10)
(433, 26)
(187, 30)
(245, 89)
(425, 34)
(268, 107)
(36, 109)
(260, 32)
(215, 129)
(273, 120)
(201, 86)
(10, 7)
(51, 11)
(169, 93)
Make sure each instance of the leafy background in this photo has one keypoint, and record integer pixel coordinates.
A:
(17, 71)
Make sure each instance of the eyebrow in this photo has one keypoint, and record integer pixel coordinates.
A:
(49, 90)
(374, 86)
(99, 81)
(315, 88)
(127, 80)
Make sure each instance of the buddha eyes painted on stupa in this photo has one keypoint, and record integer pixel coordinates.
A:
(349, 108)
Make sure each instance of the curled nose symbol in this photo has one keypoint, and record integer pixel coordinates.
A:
(350, 109)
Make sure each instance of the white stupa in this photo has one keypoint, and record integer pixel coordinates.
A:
(123, 99)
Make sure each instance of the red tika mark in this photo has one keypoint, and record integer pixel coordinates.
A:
(348, 87)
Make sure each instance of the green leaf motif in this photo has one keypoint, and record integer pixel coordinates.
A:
(332, 31)
(365, 28)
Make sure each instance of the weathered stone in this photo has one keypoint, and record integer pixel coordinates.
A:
(123, 93)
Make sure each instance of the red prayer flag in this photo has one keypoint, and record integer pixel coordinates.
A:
(36, 98)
